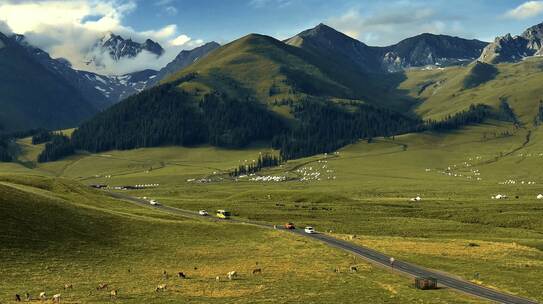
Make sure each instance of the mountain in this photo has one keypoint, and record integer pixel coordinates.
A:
(184, 59)
(429, 49)
(514, 48)
(100, 90)
(418, 51)
(33, 96)
(258, 67)
(118, 48)
(256, 88)
(327, 41)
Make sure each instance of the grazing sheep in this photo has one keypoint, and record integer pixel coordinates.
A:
(56, 298)
(68, 286)
(257, 271)
(102, 286)
(181, 275)
(161, 287)
(353, 269)
(540, 196)
(232, 275)
(43, 295)
(17, 298)
(217, 278)
(113, 293)
(28, 297)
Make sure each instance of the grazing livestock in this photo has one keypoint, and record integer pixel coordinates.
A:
(217, 278)
(232, 275)
(28, 297)
(68, 286)
(43, 295)
(113, 294)
(56, 298)
(102, 286)
(181, 275)
(165, 275)
(353, 269)
(257, 271)
(17, 298)
(161, 287)
(540, 196)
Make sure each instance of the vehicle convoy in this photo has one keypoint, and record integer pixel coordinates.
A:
(154, 202)
(309, 230)
(203, 213)
(223, 214)
(289, 226)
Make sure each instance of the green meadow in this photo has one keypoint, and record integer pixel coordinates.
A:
(59, 231)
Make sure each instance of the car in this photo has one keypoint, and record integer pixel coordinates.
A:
(203, 213)
(309, 230)
(154, 203)
(289, 226)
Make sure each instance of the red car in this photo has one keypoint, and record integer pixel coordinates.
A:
(289, 226)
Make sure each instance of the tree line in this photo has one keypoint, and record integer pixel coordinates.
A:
(266, 160)
(166, 115)
(323, 127)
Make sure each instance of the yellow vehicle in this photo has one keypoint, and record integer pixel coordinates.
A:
(223, 214)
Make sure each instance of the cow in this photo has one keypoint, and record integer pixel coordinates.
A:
(68, 286)
(17, 298)
(43, 295)
(181, 275)
(353, 269)
(257, 271)
(56, 298)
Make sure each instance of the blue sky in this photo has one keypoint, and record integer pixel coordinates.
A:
(376, 22)
(69, 28)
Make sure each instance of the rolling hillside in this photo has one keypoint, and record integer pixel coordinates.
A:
(444, 92)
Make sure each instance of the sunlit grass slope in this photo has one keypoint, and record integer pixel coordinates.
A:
(57, 232)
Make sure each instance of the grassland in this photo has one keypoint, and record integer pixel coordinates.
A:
(363, 195)
(457, 227)
(57, 232)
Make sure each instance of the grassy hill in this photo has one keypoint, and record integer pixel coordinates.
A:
(270, 71)
(446, 91)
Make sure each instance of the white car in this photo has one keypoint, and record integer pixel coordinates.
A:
(203, 213)
(154, 203)
(309, 230)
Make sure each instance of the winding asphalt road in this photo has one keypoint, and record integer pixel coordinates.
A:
(367, 254)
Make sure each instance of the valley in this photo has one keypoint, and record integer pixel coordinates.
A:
(427, 151)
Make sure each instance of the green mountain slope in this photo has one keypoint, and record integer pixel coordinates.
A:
(447, 91)
(31, 96)
(265, 69)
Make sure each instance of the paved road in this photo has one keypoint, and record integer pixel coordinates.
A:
(368, 254)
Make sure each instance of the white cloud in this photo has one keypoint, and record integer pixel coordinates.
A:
(526, 10)
(393, 22)
(180, 40)
(5, 29)
(69, 29)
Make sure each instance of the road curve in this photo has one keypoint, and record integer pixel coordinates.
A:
(367, 254)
